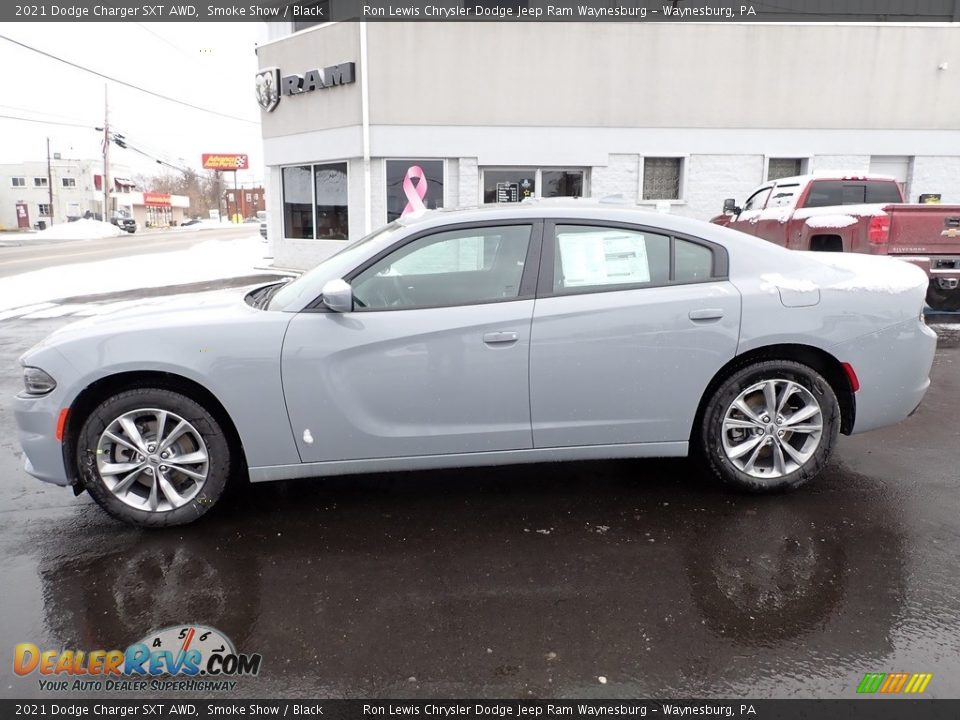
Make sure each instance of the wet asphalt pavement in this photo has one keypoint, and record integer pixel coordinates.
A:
(529, 581)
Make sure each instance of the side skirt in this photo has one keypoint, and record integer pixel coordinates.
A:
(478, 459)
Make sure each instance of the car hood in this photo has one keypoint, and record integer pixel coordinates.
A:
(206, 310)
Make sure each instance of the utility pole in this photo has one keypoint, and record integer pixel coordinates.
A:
(49, 181)
(106, 157)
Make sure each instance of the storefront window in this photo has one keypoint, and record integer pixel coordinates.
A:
(413, 185)
(517, 184)
(561, 183)
(297, 202)
(509, 186)
(331, 188)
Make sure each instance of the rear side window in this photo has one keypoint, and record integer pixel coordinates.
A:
(827, 193)
(692, 262)
(883, 192)
(592, 258)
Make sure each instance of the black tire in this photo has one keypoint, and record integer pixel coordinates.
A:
(938, 299)
(711, 431)
(216, 446)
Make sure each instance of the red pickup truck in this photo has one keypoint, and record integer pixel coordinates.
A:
(864, 214)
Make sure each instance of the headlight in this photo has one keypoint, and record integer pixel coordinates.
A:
(37, 382)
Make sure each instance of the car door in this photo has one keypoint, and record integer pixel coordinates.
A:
(629, 327)
(772, 223)
(432, 360)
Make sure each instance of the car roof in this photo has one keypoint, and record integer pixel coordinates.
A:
(557, 208)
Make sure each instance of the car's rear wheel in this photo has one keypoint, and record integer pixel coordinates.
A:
(153, 457)
(770, 426)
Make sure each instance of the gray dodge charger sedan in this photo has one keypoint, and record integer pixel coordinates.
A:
(540, 332)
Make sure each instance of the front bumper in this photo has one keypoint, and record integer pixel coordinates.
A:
(36, 419)
(893, 366)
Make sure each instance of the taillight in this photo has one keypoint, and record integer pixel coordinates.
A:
(879, 231)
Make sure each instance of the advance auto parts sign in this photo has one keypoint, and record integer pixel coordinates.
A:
(270, 85)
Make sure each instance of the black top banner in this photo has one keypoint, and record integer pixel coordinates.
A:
(305, 13)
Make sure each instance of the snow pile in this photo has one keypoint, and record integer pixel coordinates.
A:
(873, 273)
(773, 282)
(831, 221)
(206, 224)
(78, 230)
(210, 260)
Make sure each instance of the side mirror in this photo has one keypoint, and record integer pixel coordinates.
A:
(338, 296)
(730, 207)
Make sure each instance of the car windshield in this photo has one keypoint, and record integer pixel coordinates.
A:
(308, 286)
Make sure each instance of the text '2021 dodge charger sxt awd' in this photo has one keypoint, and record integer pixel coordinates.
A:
(541, 332)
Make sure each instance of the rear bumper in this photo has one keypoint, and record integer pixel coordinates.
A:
(930, 264)
(893, 366)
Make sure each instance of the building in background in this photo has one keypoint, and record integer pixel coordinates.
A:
(245, 202)
(154, 209)
(77, 185)
(675, 117)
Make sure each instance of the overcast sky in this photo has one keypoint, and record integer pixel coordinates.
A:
(211, 65)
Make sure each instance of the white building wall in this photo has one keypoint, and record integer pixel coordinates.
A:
(850, 164)
(620, 176)
(468, 182)
(709, 179)
(936, 175)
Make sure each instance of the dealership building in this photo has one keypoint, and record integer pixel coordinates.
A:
(364, 121)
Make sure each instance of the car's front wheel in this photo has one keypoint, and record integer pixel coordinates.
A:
(770, 426)
(153, 457)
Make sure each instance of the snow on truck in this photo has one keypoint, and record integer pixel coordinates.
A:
(862, 214)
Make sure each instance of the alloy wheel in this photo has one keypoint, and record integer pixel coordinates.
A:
(152, 459)
(772, 428)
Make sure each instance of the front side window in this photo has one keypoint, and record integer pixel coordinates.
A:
(597, 256)
(783, 196)
(457, 267)
(757, 200)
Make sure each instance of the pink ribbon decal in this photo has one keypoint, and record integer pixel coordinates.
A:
(415, 193)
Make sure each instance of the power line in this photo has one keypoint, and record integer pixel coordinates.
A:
(46, 122)
(126, 84)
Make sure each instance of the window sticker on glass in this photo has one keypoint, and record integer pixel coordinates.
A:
(605, 257)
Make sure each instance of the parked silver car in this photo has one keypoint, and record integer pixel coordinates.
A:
(537, 332)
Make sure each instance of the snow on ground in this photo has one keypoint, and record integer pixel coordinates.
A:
(82, 229)
(209, 224)
(210, 260)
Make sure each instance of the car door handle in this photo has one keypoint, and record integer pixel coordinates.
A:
(706, 314)
(495, 338)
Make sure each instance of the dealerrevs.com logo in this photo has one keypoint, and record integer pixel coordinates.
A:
(182, 657)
